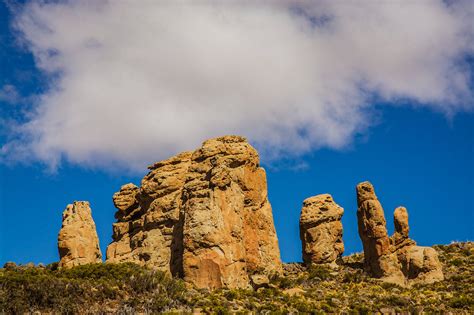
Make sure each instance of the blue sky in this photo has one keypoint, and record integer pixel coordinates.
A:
(83, 114)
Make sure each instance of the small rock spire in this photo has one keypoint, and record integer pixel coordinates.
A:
(321, 230)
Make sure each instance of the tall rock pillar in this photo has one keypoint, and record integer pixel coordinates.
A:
(379, 260)
(321, 230)
(228, 223)
(78, 243)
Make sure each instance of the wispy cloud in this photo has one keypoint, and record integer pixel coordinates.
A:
(9, 94)
(137, 81)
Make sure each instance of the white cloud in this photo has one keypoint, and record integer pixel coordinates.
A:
(135, 82)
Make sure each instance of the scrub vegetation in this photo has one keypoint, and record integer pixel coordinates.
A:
(127, 288)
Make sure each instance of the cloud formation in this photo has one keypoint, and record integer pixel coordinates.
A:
(132, 82)
(8, 94)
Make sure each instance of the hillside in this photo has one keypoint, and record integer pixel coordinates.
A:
(127, 288)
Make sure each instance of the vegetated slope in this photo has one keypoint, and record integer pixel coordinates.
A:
(128, 288)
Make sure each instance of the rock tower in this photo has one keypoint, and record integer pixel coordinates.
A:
(201, 215)
(394, 259)
(321, 230)
(78, 243)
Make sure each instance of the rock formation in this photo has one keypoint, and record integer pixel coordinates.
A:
(228, 225)
(321, 230)
(148, 230)
(78, 243)
(378, 258)
(201, 215)
(419, 264)
(400, 238)
(394, 259)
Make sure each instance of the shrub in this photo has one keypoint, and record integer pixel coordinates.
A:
(25, 290)
(321, 272)
(462, 301)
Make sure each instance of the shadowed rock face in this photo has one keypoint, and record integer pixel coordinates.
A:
(396, 259)
(78, 243)
(201, 215)
(321, 230)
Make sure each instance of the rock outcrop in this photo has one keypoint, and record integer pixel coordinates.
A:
(321, 230)
(419, 264)
(400, 237)
(394, 259)
(78, 243)
(228, 223)
(379, 260)
(201, 215)
(149, 223)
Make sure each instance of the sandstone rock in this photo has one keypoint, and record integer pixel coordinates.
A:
(419, 264)
(10, 265)
(78, 243)
(149, 224)
(201, 215)
(259, 281)
(228, 228)
(400, 238)
(396, 259)
(321, 230)
(400, 220)
(379, 261)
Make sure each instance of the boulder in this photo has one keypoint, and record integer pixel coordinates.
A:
(321, 230)
(78, 243)
(419, 264)
(259, 281)
(10, 265)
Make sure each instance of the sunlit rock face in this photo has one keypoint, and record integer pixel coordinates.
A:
(148, 230)
(78, 243)
(201, 215)
(395, 259)
(321, 230)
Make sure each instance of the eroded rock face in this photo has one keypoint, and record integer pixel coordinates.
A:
(378, 258)
(396, 259)
(321, 230)
(78, 243)
(419, 264)
(148, 230)
(228, 227)
(400, 237)
(201, 215)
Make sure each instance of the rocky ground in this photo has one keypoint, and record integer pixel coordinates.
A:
(127, 288)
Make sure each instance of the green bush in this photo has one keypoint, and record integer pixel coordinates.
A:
(462, 301)
(321, 272)
(68, 290)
